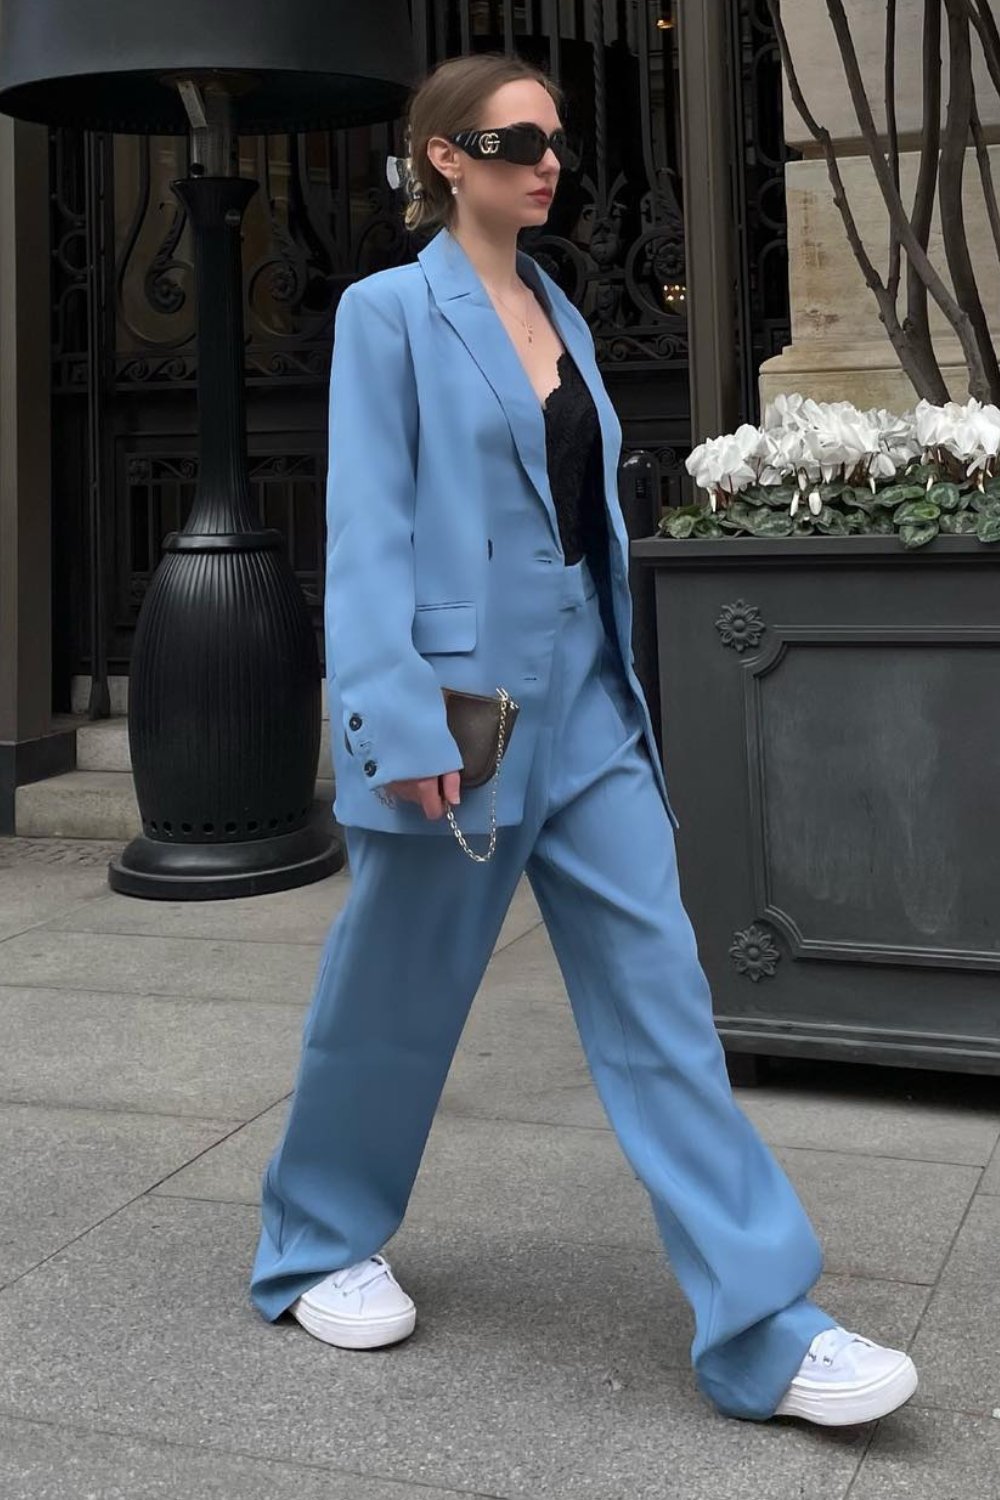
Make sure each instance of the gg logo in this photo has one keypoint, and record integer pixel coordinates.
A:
(489, 143)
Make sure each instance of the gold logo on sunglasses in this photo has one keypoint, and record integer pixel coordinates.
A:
(489, 143)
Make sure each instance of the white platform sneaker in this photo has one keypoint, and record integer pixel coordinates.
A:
(846, 1379)
(360, 1307)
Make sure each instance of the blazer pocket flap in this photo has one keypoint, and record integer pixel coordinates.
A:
(444, 627)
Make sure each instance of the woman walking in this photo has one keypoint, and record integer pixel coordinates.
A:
(475, 542)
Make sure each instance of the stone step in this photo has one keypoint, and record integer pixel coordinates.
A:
(92, 804)
(78, 805)
(118, 694)
(102, 745)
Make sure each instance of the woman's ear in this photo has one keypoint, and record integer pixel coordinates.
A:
(442, 155)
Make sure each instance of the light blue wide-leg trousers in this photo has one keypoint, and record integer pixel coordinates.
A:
(398, 973)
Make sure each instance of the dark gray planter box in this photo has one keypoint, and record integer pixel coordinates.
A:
(830, 717)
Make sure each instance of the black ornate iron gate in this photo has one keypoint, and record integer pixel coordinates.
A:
(124, 349)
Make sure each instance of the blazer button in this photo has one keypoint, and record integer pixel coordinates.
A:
(370, 768)
(355, 721)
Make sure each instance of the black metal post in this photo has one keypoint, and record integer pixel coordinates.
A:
(709, 230)
(224, 701)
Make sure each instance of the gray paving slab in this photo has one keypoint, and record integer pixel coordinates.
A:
(991, 1177)
(216, 969)
(520, 1056)
(165, 1056)
(34, 893)
(879, 1216)
(958, 1344)
(300, 916)
(874, 1217)
(41, 1461)
(873, 1127)
(557, 1183)
(273, 970)
(232, 1175)
(535, 1371)
(931, 1455)
(63, 1170)
(520, 1059)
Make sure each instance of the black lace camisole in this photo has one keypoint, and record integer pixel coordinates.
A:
(574, 460)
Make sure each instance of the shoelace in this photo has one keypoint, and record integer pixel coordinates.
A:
(827, 1345)
(356, 1278)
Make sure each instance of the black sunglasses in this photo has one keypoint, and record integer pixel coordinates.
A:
(524, 145)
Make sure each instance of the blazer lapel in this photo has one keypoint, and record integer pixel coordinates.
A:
(464, 302)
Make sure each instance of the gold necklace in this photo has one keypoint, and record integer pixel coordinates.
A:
(527, 325)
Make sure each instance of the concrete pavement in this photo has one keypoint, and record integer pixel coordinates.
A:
(147, 1053)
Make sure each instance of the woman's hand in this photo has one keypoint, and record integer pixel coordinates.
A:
(432, 792)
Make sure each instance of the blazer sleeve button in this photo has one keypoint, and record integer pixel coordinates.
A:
(355, 721)
(370, 768)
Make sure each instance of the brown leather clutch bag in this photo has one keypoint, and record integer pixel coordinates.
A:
(481, 725)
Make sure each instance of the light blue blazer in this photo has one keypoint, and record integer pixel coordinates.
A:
(443, 553)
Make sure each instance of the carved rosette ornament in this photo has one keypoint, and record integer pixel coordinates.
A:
(754, 953)
(740, 625)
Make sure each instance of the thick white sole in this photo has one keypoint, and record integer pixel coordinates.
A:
(830, 1406)
(353, 1333)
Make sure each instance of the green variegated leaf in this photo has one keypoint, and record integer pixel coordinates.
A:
(707, 525)
(673, 514)
(895, 494)
(916, 513)
(680, 526)
(960, 524)
(988, 529)
(918, 536)
(920, 473)
(861, 499)
(831, 522)
(773, 523)
(945, 495)
(857, 521)
(776, 496)
(739, 515)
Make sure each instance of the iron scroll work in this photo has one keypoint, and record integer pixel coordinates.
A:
(324, 216)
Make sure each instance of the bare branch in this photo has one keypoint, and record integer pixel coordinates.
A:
(917, 321)
(923, 372)
(986, 173)
(956, 315)
(892, 131)
(952, 170)
(980, 14)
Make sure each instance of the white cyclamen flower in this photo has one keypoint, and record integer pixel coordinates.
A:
(977, 438)
(783, 412)
(728, 463)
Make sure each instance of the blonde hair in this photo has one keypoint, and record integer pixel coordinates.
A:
(450, 99)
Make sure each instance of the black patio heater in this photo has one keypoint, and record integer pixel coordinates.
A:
(224, 699)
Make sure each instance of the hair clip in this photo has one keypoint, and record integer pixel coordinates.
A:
(399, 174)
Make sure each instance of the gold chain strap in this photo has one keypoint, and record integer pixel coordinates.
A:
(505, 698)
